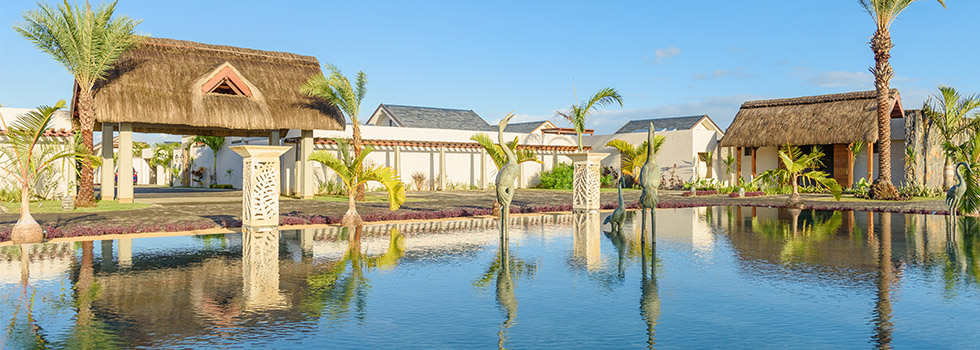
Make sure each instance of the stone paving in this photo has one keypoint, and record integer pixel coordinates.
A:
(179, 205)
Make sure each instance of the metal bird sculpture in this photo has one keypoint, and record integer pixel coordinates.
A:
(955, 194)
(649, 183)
(505, 178)
(618, 216)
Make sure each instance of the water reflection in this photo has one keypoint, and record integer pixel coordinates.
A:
(260, 268)
(649, 294)
(883, 307)
(504, 271)
(586, 240)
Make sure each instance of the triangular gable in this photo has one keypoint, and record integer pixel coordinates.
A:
(225, 80)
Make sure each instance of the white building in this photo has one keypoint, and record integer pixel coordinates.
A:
(59, 180)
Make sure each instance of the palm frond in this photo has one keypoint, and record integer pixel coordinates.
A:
(331, 161)
(389, 178)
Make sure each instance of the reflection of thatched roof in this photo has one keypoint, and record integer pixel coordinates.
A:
(812, 120)
(158, 87)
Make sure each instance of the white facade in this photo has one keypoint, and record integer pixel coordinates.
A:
(60, 179)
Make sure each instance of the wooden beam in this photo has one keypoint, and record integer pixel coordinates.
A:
(738, 166)
(754, 149)
(871, 161)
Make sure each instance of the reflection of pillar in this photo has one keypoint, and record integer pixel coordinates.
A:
(125, 163)
(260, 267)
(108, 170)
(83, 286)
(306, 241)
(586, 181)
(260, 184)
(125, 257)
(586, 240)
(883, 307)
(107, 254)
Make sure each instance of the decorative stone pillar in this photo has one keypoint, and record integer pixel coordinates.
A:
(108, 186)
(586, 181)
(260, 184)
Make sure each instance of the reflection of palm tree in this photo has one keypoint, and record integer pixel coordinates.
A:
(883, 307)
(335, 290)
(27, 334)
(88, 332)
(800, 239)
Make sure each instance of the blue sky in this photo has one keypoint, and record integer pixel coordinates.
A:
(667, 58)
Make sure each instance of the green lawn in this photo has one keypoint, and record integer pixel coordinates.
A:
(55, 207)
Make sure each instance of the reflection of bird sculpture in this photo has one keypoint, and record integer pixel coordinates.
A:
(649, 295)
(505, 295)
(649, 183)
(505, 177)
(619, 215)
(955, 194)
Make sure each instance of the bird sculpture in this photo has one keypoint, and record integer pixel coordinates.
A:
(619, 215)
(505, 178)
(649, 184)
(955, 194)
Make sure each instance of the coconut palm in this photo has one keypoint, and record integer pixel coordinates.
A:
(28, 157)
(87, 42)
(884, 12)
(163, 155)
(337, 90)
(632, 157)
(947, 111)
(352, 174)
(794, 166)
(576, 114)
(215, 143)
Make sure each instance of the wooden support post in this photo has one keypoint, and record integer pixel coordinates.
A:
(871, 161)
(738, 166)
(108, 187)
(754, 173)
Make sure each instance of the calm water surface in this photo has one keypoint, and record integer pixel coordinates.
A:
(718, 277)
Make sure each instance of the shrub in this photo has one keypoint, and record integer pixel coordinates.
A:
(673, 182)
(559, 177)
(329, 188)
(223, 186)
(419, 179)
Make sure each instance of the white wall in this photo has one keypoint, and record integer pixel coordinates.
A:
(61, 179)
(680, 148)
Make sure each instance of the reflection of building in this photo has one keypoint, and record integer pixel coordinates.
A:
(678, 225)
(47, 261)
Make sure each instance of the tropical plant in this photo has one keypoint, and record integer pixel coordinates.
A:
(855, 152)
(230, 174)
(419, 179)
(632, 158)
(709, 162)
(730, 161)
(947, 111)
(795, 166)
(559, 177)
(884, 12)
(88, 42)
(497, 154)
(337, 90)
(163, 156)
(968, 152)
(27, 158)
(215, 143)
(576, 114)
(352, 174)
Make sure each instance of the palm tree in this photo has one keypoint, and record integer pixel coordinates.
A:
(352, 174)
(215, 143)
(632, 158)
(794, 166)
(27, 158)
(884, 12)
(576, 114)
(499, 158)
(338, 91)
(709, 161)
(948, 113)
(730, 162)
(163, 155)
(87, 42)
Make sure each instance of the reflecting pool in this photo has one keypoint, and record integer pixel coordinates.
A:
(716, 277)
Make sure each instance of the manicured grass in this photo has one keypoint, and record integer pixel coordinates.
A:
(55, 207)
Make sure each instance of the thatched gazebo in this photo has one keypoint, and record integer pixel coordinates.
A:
(188, 88)
(834, 121)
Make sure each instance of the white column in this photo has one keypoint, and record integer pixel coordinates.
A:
(483, 169)
(306, 182)
(274, 138)
(442, 168)
(108, 170)
(398, 162)
(125, 163)
(161, 175)
(260, 181)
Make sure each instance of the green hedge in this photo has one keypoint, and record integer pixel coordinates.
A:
(560, 177)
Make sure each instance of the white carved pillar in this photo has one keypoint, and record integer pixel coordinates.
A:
(260, 184)
(108, 186)
(586, 181)
(125, 163)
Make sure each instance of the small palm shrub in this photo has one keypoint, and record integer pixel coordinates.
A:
(559, 177)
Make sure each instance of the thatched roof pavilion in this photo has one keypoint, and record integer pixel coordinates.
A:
(183, 87)
(812, 120)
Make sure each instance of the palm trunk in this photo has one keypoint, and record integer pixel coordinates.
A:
(362, 188)
(881, 45)
(86, 116)
(351, 219)
(580, 142)
(214, 179)
(947, 174)
(26, 230)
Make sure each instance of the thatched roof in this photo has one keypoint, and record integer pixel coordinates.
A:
(811, 120)
(158, 86)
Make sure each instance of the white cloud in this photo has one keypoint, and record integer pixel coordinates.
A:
(662, 54)
(842, 79)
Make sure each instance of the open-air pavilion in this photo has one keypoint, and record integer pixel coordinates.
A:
(832, 122)
(187, 88)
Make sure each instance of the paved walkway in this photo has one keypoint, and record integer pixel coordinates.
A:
(169, 206)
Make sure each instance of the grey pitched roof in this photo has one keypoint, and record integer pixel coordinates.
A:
(525, 127)
(437, 118)
(670, 123)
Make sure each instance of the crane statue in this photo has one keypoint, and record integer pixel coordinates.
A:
(619, 215)
(649, 183)
(955, 194)
(505, 178)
